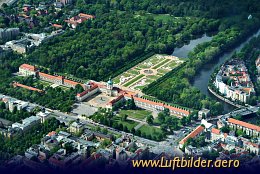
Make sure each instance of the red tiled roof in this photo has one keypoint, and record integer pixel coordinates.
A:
(16, 84)
(244, 124)
(87, 91)
(50, 76)
(215, 131)
(193, 134)
(116, 100)
(57, 25)
(82, 15)
(28, 67)
(51, 133)
(71, 82)
(163, 105)
(225, 135)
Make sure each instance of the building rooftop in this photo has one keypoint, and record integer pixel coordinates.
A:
(193, 134)
(244, 124)
(28, 67)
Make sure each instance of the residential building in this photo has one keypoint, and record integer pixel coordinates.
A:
(76, 20)
(27, 123)
(233, 81)
(195, 133)
(76, 127)
(249, 129)
(65, 2)
(7, 34)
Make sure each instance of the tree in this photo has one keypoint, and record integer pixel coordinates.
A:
(2, 105)
(138, 132)
(161, 117)
(105, 143)
(203, 116)
(149, 119)
(183, 121)
(166, 112)
(164, 127)
(124, 117)
(225, 129)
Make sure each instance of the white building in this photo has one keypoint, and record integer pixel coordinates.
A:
(27, 123)
(203, 112)
(27, 70)
(18, 104)
(43, 115)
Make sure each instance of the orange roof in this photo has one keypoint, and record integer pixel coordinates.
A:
(51, 133)
(57, 25)
(26, 87)
(87, 91)
(82, 15)
(215, 131)
(50, 76)
(71, 82)
(244, 124)
(163, 105)
(225, 135)
(28, 67)
(193, 134)
(116, 100)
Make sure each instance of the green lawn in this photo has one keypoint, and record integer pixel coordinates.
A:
(162, 71)
(139, 88)
(153, 77)
(116, 80)
(137, 114)
(131, 71)
(161, 63)
(44, 83)
(172, 64)
(149, 130)
(129, 123)
(154, 60)
(134, 80)
(142, 66)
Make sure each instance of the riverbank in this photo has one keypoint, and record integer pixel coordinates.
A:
(224, 99)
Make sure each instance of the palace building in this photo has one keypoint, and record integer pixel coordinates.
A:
(28, 70)
(108, 89)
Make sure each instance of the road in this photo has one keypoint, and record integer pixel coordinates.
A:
(170, 145)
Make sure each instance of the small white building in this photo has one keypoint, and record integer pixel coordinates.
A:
(203, 112)
(43, 115)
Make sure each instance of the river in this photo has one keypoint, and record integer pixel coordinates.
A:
(201, 80)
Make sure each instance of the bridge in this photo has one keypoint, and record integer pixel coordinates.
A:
(240, 111)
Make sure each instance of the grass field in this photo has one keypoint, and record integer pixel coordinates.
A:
(160, 64)
(149, 130)
(137, 114)
(134, 80)
(129, 123)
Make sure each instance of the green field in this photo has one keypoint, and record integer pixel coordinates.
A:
(133, 72)
(128, 123)
(149, 130)
(162, 63)
(134, 80)
(137, 114)
(172, 64)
